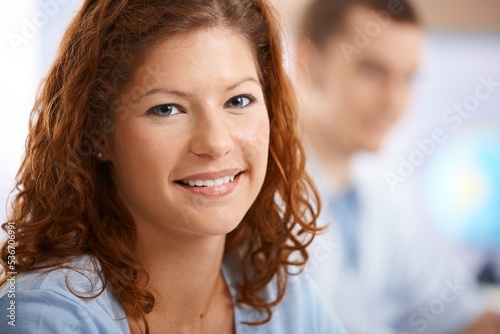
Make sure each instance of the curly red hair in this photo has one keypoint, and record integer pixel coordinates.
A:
(66, 204)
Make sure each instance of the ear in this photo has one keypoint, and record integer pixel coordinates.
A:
(102, 146)
(307, 60)
(302, 55)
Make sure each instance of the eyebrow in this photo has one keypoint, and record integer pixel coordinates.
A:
(185, 94)
(247, 79)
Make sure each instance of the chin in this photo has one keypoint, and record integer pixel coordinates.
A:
(222, 228)
(215, 225)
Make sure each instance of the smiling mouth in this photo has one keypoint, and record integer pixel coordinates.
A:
(208, 182)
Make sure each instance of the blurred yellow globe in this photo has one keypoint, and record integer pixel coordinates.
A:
(461, 186)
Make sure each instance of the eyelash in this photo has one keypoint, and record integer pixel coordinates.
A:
(251, 100)
(155, 108)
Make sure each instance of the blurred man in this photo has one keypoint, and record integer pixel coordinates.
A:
(356, 60)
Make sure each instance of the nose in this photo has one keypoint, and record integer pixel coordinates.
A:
(212, 134)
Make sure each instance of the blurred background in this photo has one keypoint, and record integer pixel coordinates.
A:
(456, 183)
(30, 32)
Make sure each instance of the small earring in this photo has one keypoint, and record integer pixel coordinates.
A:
(100, 155)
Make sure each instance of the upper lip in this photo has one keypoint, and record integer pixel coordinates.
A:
(212, 175)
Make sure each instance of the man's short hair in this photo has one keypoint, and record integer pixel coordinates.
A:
(325, 18)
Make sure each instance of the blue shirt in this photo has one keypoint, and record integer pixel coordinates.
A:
(379, 267)
(43, 303)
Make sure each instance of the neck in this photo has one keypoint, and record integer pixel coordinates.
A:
(335, 158)
(185, 277)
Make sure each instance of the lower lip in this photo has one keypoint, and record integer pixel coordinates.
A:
(219, 191)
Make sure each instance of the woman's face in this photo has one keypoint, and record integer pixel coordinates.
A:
(190, 143)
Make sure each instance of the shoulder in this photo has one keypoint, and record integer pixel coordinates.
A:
(61, 300)
(301, 311)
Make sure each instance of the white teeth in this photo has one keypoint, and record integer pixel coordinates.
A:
(209, 183)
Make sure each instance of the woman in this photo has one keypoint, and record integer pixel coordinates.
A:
(163, 188)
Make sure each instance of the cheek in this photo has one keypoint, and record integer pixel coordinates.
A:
(359, 98)
(141, 154)
(254, 141)
(340, 94)
(366, 92)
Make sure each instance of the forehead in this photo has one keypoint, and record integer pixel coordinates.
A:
(392, 42)
(186, 42)
(196, 56)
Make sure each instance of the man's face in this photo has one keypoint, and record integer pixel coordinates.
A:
(365, 75)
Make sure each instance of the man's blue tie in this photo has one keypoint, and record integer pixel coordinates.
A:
(345, 212)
